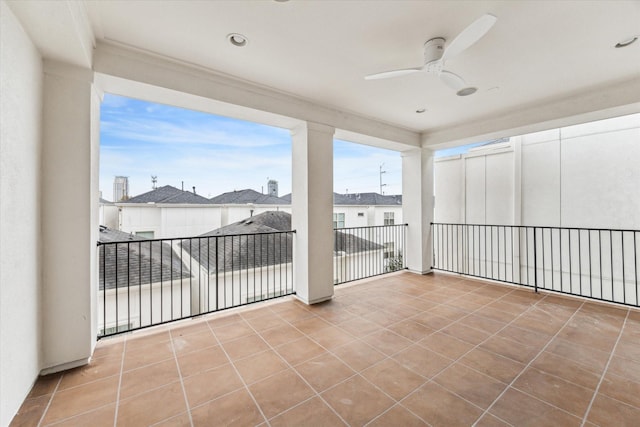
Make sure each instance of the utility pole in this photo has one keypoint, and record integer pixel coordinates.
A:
(381, 172)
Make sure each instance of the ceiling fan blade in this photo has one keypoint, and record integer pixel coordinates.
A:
(394, 73)
(452, 80)
(469, 36)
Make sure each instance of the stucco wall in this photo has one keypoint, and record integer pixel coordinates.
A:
(20, 146)
(579, 176)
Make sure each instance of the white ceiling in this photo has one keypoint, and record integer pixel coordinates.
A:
(536, 53)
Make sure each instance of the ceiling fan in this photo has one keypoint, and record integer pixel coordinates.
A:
(435, 56)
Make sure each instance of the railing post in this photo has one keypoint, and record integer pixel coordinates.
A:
(535, 262)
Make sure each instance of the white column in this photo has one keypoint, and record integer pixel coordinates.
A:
(69, 215)
(311, 210)
(417, 207)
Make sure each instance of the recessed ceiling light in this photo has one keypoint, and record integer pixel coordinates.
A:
(421, 110)
(626, 43)
(281, 1)
(237, 40)
(467, 91)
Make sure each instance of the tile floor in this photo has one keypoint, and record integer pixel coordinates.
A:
(400, 350)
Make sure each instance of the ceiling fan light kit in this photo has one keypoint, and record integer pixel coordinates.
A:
(435, 56)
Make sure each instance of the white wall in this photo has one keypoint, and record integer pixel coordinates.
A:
(20, 261)
(579, 176)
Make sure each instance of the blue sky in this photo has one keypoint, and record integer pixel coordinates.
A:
(218, 154)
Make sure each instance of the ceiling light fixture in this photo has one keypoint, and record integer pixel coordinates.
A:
(237, 40)
(421, 110)
(626, 43)
(467, 91)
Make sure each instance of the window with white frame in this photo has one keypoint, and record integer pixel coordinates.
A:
(389, 248)
(338, 220)
(389, 218)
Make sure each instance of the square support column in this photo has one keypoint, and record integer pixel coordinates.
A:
(312, 211)
(417, 207)
(69, 216)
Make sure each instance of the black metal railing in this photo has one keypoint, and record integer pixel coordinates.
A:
(144, 282)
(361, 252)
(594, 263)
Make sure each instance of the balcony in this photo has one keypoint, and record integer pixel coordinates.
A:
(402, 349)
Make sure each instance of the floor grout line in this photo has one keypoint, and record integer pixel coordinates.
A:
(184, 391)
(46, 409)
(604, 372)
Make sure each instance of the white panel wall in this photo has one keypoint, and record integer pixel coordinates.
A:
(499, 193)
(601, 180)
(449, 190)
(475, 190)
(20, 148)
(541, 179)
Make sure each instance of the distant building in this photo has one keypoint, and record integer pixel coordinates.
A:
(120, 188)
(272, 188)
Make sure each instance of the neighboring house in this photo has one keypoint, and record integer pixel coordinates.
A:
(146, 281)
(168, 212)
(364, 209)
(238, 204)
(108, 212)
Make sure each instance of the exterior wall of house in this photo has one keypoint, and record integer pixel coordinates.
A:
(235, 213)
(20, 244)
(363, 216)
(579, 176)
(109, 216)
(167, 221)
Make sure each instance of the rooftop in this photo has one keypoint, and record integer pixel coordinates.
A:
(168, 194)
(247, 196)
(400, 350)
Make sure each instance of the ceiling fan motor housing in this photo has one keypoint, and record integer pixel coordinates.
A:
(433, 50)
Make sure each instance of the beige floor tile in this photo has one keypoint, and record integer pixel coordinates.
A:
(439, 407)
(422, 361)
(446, 345)
(357, 401)
(397, 416)
(234, 409)
(358, 355)
(147, 378)
(519, 409)
(31, 411)
(331, 337)
(312, 413)
(152, 406)
(393, 378)
(387, 342)
(300, 350)
(211, 384)
(245, 346)
(492, 364)
(259, 366)
(101, 417)
(554, 390)
(471, 385)
(610, 412)
(193, 342)
(83, 398)
(281, 335)
(201, 360)
(280, 392)
(324, 371)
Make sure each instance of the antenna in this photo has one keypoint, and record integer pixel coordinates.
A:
(154, 182)
(381, 172)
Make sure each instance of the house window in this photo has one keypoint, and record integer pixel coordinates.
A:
(338, 220)
(389, 248)
(145, 234)
(389, 218)
(360, 213)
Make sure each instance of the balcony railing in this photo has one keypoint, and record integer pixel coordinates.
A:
(144, 283)
(594, 263)
(361, 252)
